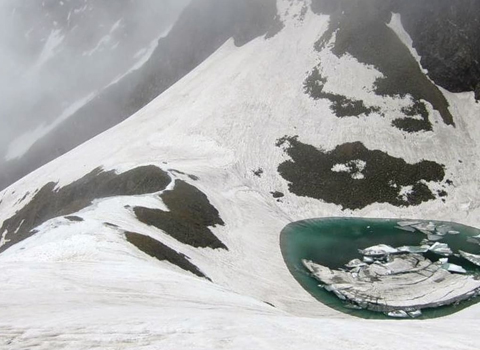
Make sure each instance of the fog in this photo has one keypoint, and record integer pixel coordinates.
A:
(56, 55)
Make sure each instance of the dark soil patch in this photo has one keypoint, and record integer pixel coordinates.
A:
(162, 252)
(361, 31)
(310, 174)
(277, 194)
(50, 202)
(341, 105)
(411, 124)
(189, 217)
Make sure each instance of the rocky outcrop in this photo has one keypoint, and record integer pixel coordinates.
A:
(445, 33)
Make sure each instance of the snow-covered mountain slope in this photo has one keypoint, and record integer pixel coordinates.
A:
(201, 29)
(56, 56)
(196, 169)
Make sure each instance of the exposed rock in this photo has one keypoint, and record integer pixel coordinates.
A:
(277, 194)
(189, 217)
(361, 31)
(160, 251)
(50, 202)
(445, 33)
(473, 258)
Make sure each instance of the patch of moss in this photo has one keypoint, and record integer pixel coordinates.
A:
(310, 174)
(160, 251)
(189, 218)
(50, 202)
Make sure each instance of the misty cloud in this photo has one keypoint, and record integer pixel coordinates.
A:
(56, 55)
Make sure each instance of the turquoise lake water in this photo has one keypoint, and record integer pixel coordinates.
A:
(333, 242)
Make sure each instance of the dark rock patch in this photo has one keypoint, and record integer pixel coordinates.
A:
(277, 194)
(50, 202)
(361, 31)
(74, 218)
(365, 176)
(341, 105)
(258, 172)
(23, 198)
(162, 252)
(193, 177)
(445, 33)
(326, 7)
(411, 124)
(189, 218)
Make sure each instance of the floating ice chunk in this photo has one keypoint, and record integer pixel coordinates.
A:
(473, 240)
(398, 314)
(405, 228)
(355, 263)
(381, 249)
(415, 314)
(453, 232)
(453, 268)
(414, 249)
(434, 237)
(473, 258)
(408, 223)
(441, 249)
(368, 260)
(425, 228)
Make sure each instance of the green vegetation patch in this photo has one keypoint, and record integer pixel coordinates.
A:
(353, 176)
(50, 202)
(189, 218)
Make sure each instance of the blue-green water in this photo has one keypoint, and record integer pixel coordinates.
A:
(333, 242)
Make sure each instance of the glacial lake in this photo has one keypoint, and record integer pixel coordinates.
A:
(333, 242)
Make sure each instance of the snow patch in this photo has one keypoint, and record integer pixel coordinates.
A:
(354, 167)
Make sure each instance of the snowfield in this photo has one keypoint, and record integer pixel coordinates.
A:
(81, 285)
